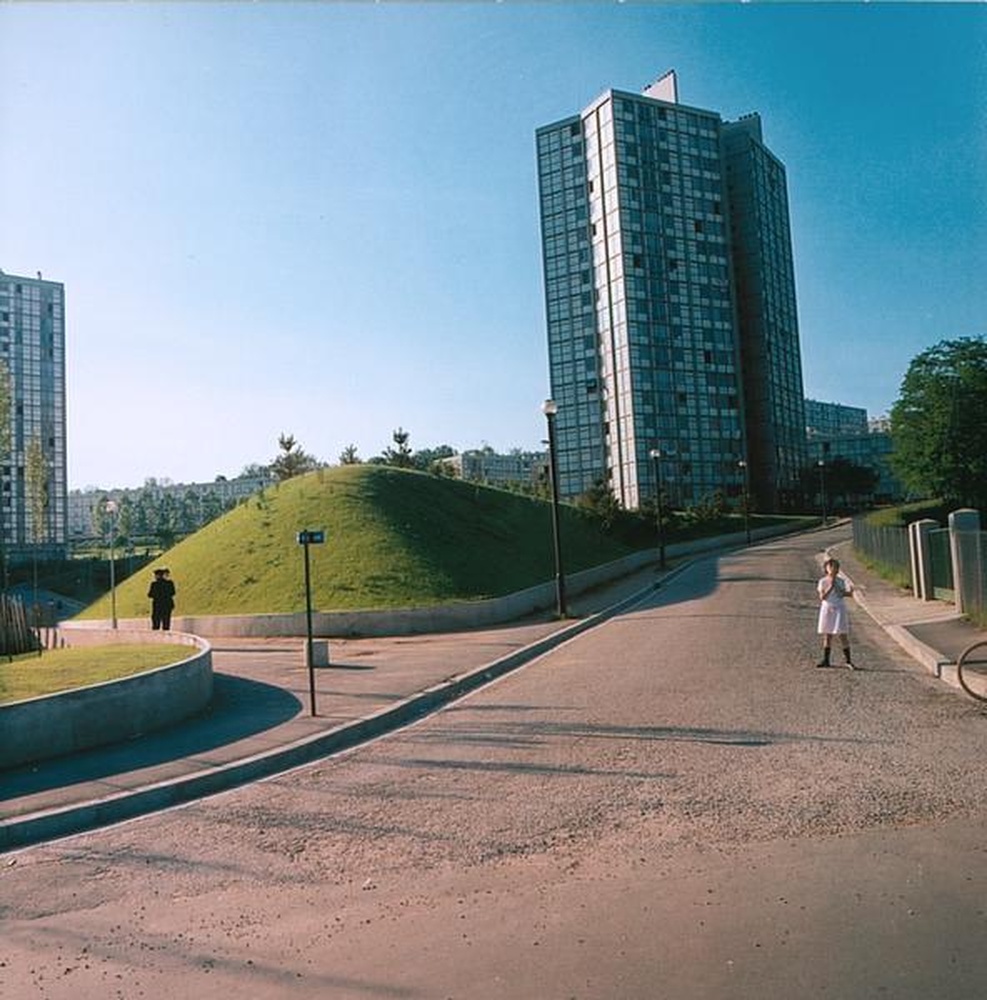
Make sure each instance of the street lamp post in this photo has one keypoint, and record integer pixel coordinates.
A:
(742, 464)
(655, 455)
(550, 408)
(822, 488)
(111, 510)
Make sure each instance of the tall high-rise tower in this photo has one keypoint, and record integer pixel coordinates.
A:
(670, 300)
(33, 493)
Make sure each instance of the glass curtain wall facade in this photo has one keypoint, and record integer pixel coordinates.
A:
(645, 349)
(33, 482)
(834, 420)
(570, 302)
(764, 281)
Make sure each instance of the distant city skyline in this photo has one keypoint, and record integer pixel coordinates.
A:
(322, 219)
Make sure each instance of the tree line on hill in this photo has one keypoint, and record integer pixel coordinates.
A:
(292, 460)
(938, 433)
(156, 516)
(938, 429)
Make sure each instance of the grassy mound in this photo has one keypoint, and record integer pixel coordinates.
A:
(394, 538)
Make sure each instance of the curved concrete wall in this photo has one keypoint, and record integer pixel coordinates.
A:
(70, 721)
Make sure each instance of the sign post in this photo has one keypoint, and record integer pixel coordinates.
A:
(305, 539)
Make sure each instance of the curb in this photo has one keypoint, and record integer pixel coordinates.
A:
(934, 663)
(51, 824)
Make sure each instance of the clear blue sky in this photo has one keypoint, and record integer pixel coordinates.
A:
(322, 218)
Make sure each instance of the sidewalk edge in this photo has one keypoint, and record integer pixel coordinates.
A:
(52, 824)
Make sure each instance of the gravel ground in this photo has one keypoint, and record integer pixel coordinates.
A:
(665, 755)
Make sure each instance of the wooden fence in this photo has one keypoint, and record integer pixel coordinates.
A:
(16, 635)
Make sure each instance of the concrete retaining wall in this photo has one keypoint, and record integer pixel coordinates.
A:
(452, 617)
(70, 721)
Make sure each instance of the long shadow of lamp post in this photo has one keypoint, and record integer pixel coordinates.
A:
(550, 408)
(655, 454)
(745, 471)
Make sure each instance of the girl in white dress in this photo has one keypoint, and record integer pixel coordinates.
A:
(834, 619)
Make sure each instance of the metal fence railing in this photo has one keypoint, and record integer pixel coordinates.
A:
(885, 545)
(956, 566)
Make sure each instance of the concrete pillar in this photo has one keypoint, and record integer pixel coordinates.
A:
(964, 540)
(918, 546)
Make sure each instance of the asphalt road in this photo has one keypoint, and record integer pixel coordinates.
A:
(676, 804)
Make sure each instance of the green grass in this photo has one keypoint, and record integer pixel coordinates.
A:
(903, 514)
(394, 538)
(893, 574)
(31, 676)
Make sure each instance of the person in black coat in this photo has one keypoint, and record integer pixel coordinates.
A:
(162, 594)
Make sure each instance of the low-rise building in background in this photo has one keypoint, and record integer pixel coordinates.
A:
(838, 432)
(484, 465)
(158, 508)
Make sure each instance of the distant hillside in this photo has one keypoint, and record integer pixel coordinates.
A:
(394, 538)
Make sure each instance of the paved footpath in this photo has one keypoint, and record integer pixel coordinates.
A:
(260, 721)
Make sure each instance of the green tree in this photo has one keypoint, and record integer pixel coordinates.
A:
(850, 481)
(36, 478)
(939, 423)
(847, 483)
(144, 517)
(399, 454)
(36, 475)
(125, 522)
(292, 460)
(166, 524)
(100, 517)
(211, 506)
(600, 501)
(431, 459)
(187, 517)
(349, 456)
(254, 471)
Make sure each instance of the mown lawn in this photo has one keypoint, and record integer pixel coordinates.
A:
(394, 538)
(31, 676)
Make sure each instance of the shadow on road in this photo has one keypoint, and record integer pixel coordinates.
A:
(239, 708)
(530, 733)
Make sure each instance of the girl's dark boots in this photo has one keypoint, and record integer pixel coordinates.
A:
(849, 661)
(824, 662)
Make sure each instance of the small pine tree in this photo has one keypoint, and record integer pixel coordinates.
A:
(292, 460)
(399, 455)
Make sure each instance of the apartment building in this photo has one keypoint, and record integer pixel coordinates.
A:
(670, 302)
(33, 492)
(831, 420)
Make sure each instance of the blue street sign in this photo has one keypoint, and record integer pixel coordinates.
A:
(311, 537)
